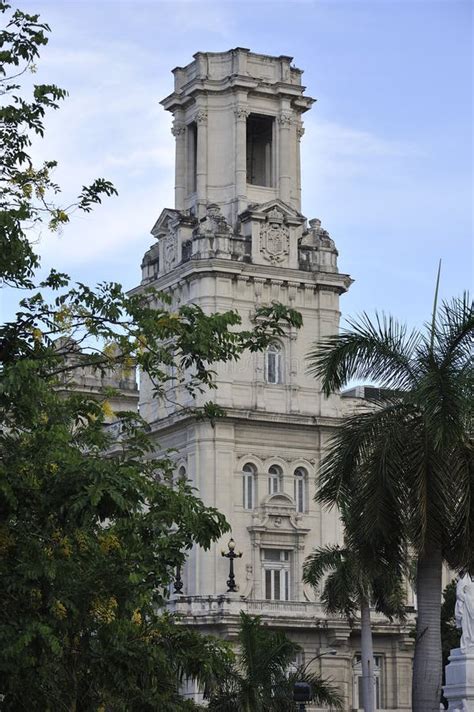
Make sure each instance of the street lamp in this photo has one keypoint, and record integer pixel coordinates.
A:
(178, 581)
(231, 555)
(302, 691)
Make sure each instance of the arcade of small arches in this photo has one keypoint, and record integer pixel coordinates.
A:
(260, 482)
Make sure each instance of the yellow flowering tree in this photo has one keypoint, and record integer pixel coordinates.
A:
(90, 535)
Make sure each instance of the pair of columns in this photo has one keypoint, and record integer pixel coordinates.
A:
(184, 159)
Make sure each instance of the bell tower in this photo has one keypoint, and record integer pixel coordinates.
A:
(236, 239)
(237, 124)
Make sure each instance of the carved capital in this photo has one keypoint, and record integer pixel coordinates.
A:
(285, 119)
(178, 131)
(201, 117)
(241, 113)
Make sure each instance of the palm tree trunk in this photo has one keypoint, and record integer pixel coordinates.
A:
(367, 654)
(427, 665)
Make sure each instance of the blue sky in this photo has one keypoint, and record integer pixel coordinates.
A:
(386, 157)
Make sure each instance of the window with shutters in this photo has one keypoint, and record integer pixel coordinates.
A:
(300, 484)
(358, 683)
(276, 574)
(274, 479)
(273, 364)
(248, 485)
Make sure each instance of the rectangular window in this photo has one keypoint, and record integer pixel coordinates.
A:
(192, 139)
(273, 484)
(299, 494)
(276, 574)
(377, 682)
(247, 481)
(259, 150)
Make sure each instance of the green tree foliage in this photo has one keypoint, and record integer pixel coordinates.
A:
(409, 460)
(350, 588)
(262, 680)
(90, 530)
(28, 192)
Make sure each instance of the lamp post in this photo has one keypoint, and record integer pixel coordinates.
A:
(178, 581)
(231, 555)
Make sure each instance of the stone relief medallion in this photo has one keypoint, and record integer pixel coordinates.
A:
(170, 251)
(274, 238)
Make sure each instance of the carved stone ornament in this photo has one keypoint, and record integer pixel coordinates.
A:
(170, 251)
(241, 113)
(274, 238)
(214, 222)
(201, 117)
(285, 118)
(178, 130)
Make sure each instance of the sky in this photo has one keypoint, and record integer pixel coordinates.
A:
(386, 157)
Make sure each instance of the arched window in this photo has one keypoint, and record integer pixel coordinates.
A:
(274, 479)
(273, 364)
(301, 477)
(179, 475)
(248, 486)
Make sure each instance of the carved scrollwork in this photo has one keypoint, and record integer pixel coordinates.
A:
(274, 237)
(300, 131)
(170, 251)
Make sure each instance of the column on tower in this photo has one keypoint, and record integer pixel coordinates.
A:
(179, 132)
(201, 161)
(284, 163)
(241, 113)
(299, 136)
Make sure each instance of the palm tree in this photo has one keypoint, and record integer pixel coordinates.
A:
(262, 681)
(348, 589)
(409, 460)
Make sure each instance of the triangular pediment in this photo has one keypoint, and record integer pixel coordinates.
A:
(162, 225)
(276, 208)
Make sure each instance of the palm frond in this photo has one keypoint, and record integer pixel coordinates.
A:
(341, 592)
(454, 335)
(381, 351)
(460, 547)
(323, 559)
(351, 448)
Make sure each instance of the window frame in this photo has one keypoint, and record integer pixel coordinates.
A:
(300, 484)
(274, 478)
(277, 575)
(249, 472)
(274, 350)
(260, 151)
(357, 682)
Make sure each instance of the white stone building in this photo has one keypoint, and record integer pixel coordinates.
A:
(235, 239)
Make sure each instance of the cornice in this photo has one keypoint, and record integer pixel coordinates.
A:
(215, 266)
(236, 415)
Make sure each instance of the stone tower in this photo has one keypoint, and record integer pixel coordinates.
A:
(236, 239)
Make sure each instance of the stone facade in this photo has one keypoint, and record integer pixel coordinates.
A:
(234, 240)
(119, 383)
